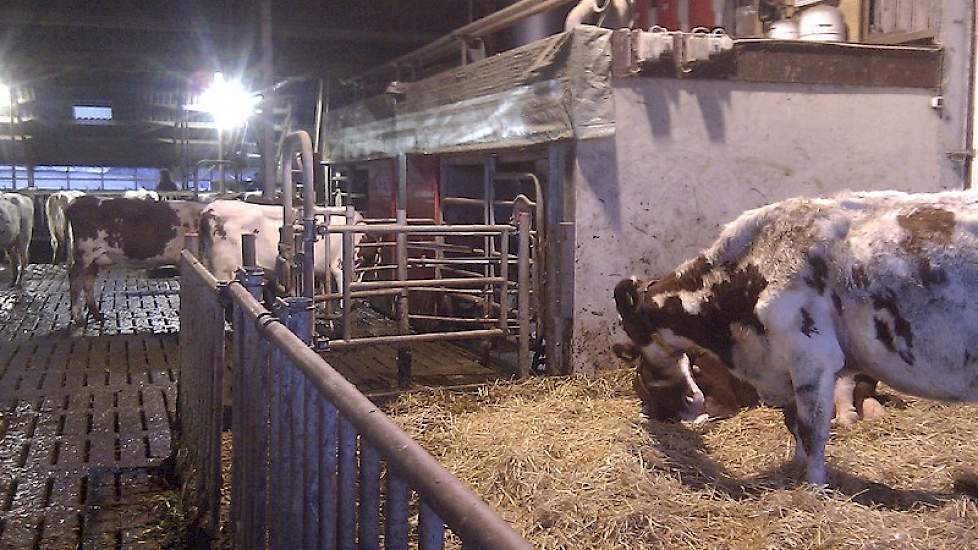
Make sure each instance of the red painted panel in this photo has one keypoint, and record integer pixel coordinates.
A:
(667, 14)
(701, 13)
(422, 187)
(642, 14)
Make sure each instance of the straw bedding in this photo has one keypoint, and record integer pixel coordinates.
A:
(572, 464)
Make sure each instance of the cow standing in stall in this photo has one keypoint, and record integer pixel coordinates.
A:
(120, 231)
(223, 222)
(795, 294)
(54, 210)
(16, 230)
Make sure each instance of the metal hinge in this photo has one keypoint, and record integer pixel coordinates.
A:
(961, 156)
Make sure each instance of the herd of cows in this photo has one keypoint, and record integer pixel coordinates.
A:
(803, 304)
(139, 230)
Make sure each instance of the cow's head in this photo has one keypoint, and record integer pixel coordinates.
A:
(665, 378)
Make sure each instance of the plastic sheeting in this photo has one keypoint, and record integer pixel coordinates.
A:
(552, 89)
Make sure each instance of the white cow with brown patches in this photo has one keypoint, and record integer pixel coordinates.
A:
(54, 209)
(792, 293)
(223, 222)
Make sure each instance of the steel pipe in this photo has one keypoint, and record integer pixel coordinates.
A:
(460, 282)
(448, 45)
(414, 338)
(463, 230)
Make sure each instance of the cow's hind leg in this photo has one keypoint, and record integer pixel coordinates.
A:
(76, 289)
(88, 281)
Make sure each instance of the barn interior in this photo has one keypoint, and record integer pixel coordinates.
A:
(482, 173)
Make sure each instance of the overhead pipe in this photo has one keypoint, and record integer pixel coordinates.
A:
(448, 44)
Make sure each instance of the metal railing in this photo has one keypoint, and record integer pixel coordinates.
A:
(315, 464)
(493, 283)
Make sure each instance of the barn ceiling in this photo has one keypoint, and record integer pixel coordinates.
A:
(132, 54)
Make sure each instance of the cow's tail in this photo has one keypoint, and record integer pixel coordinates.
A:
(53, 227)
(69, 245)
(206, 239)
(626, 297)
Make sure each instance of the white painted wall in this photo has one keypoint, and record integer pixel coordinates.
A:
(691, 155)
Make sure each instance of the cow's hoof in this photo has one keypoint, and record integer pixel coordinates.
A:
(872, 409)
(846, 418)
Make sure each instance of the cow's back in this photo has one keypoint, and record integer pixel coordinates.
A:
(113, 230)
(899, 272)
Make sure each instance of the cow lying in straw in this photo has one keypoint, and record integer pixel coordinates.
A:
(793, 293)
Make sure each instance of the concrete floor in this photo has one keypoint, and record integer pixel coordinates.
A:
(85, 414)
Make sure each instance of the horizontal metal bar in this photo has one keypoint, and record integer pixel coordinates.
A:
(420, 229)
(394, 220)
(413, 338)
(467, 320)
(361, 294)
(465, 201)
(468, 515)
(457, 281)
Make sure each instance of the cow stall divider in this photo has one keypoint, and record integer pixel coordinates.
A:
(315, 464)
(492, 288)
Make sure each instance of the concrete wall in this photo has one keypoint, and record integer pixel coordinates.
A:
(689, 156)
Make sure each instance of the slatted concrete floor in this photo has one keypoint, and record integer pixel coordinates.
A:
(85, 415)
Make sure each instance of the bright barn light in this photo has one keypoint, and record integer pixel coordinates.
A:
(228, 103)
(4, 95)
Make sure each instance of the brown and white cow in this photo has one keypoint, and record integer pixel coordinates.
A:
(120, 231)
(16, 230)
(223, 222)
(54, 209)
(792, 293)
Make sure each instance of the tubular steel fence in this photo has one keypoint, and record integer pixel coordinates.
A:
(315, 464)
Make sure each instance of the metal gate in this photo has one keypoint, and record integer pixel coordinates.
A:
(314, 463)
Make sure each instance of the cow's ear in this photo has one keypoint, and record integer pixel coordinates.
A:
(626, 296)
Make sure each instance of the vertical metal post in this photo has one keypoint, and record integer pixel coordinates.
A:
(347, 495)
(319, 117)
(523, 293)
(328, 482)
(396, 512)
(403, 308)
(347, 276)
(220, 158)
(328, 280)
(504, 287)
(431, 528)
(297, 510)
(288, 535)
(369, 528)
(268, 145)
(13, 140)
(488, 177)
(310, 468)
(246, 446)
(248, 250)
